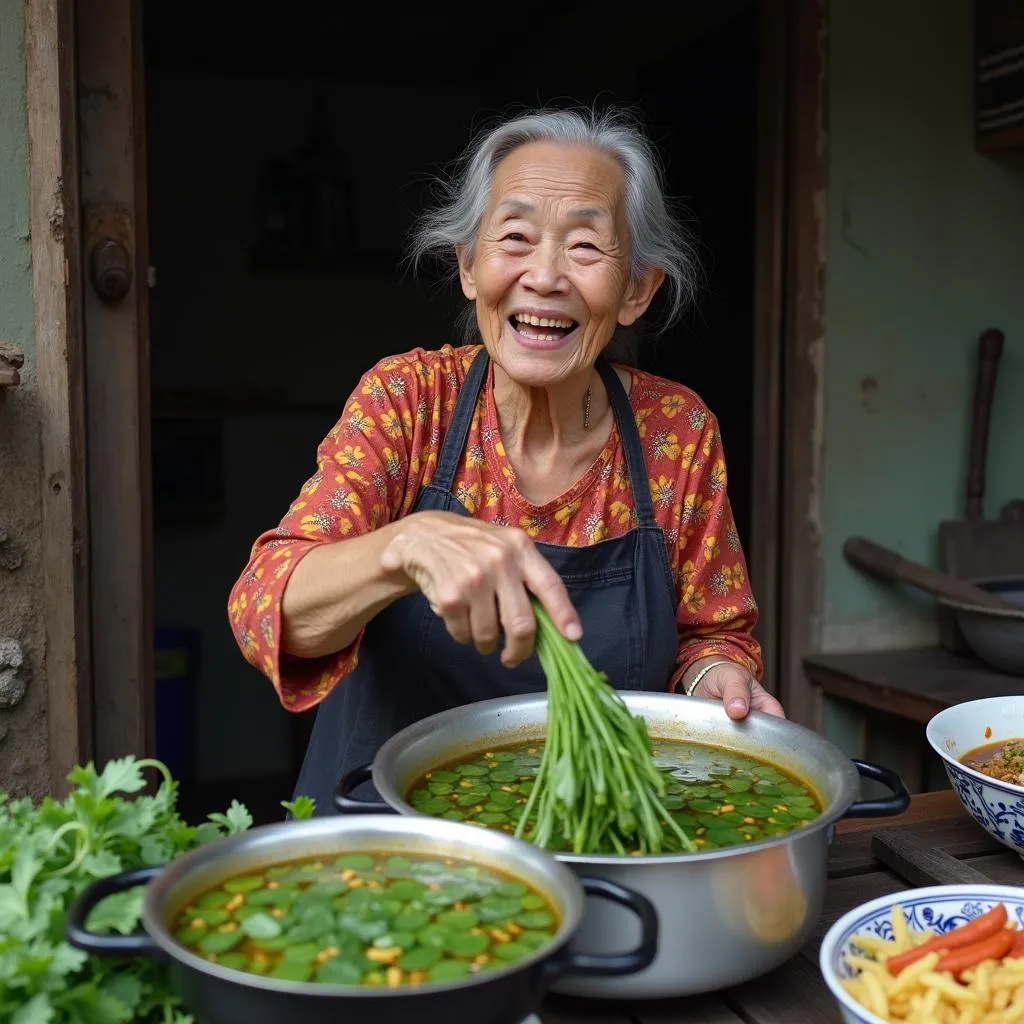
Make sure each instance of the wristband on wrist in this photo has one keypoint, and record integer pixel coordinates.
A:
(695, 681)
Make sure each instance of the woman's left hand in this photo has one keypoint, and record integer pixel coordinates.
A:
(738, 691)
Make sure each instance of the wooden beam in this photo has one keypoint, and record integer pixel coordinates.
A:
(112, 139)
(801, 597)
(56, 281)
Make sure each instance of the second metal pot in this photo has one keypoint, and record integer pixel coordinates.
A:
(727, 915)
(219, 995)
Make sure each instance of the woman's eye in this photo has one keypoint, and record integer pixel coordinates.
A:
(585, 245)
(514, 236)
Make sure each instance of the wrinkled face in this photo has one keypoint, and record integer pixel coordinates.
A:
(550, 273)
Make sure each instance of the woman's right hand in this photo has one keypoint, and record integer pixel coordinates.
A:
(478, 578)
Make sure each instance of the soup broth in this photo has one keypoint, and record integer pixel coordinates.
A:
(368, 919)
(1003, 760)
(719, 797)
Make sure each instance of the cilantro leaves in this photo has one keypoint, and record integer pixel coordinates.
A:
(49, 852)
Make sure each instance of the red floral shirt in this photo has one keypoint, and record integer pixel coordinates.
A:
(384, 448)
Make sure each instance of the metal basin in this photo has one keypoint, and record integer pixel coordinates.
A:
(995, 635)
(219, 995)
(727, 915)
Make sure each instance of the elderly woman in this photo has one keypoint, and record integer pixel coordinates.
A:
(460, 482)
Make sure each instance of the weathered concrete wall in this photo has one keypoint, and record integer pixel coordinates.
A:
(23, 742)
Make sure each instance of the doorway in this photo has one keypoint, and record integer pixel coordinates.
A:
(252, 349)
(259, 329)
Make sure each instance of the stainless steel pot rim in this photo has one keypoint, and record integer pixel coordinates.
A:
(829, 816)
(461, 834)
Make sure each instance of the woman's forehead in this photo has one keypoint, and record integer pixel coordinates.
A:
(585, 183)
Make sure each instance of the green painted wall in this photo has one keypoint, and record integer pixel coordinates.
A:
(16, 315)
(925, 250)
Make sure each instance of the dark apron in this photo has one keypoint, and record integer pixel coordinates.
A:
(410, 667)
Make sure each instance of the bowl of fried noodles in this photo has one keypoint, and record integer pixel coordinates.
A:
(945, 954)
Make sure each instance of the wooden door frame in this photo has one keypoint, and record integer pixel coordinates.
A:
(786, 541)
(112, 166)
(85, 572)
(94, 399)
(54, 207)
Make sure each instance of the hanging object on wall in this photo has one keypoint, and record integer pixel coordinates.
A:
(12, 359)
(999, 76)
(305, 206)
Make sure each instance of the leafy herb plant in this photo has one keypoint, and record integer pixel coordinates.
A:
(49, 853)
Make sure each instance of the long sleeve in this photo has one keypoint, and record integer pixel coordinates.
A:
(368, 471)
(717, 611)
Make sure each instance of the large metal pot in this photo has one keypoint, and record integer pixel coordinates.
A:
(727, 915)
(218, 995)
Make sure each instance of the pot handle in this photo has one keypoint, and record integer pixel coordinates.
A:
(886, 805)
(343, 801)
(612, 964)
(80, 937)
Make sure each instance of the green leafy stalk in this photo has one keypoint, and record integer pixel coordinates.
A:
(49, 853)
(597, 788)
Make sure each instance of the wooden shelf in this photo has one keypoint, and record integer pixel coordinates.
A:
(915, 684)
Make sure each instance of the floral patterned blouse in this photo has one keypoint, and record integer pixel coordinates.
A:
(384, 448)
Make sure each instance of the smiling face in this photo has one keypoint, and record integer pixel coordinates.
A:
(550, 272)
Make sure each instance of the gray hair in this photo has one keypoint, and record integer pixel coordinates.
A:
(657, 239)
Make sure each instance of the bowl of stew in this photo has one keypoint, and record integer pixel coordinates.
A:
(981, 743)
(759, 797)
(378, 918)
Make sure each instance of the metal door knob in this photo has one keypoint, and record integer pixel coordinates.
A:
(111, 270)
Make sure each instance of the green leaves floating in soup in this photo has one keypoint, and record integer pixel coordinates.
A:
(368, 919)
(719, 797)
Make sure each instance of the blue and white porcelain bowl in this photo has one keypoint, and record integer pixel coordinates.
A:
(998, 807)
(937, 908)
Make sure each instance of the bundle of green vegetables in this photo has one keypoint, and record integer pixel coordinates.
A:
(49, 853)
(597, 787)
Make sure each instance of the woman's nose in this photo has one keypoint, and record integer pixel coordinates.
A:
(545, 272)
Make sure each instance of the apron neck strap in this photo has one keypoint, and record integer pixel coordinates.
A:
(625, 420)
(462, 418)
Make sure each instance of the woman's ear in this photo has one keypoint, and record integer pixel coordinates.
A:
(639, 295)
(466, 276)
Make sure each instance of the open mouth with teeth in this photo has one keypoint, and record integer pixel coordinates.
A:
(540, 328)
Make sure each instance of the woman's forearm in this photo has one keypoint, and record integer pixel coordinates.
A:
(335, 590)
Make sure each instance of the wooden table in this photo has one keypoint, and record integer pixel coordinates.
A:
(796, 993)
